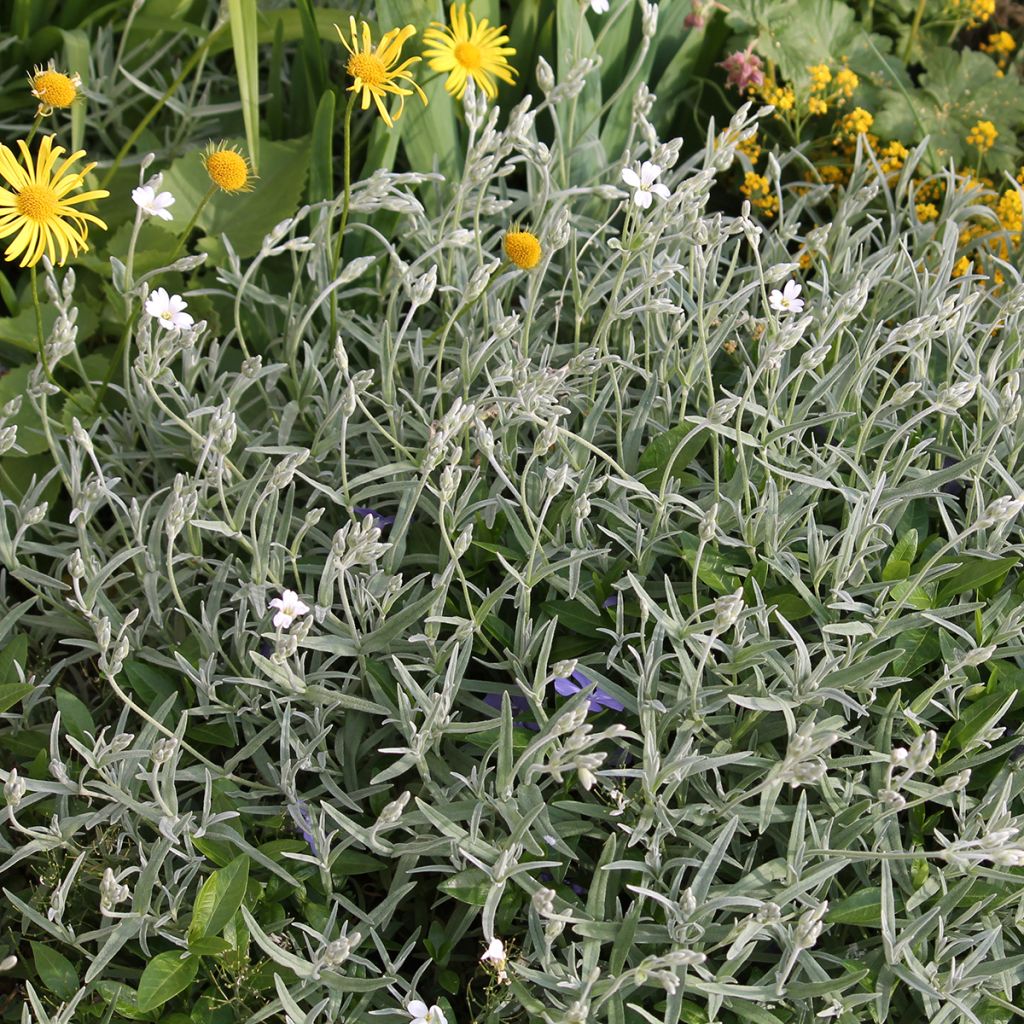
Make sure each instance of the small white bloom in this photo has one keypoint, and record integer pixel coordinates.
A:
(422, 1014)
(599, 6)
(788, 300)
(153, 203)
(169, 310)
(645, 182)
(495, 954)
(289, 607)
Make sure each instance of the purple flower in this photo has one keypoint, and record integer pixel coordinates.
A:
(745, 70)
(610, 602)
(380, 521)
(305, 824)
(578, 681)
(520, 705)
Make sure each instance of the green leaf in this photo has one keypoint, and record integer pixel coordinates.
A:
(55, 970)
(974, 572)
(247, 217)
(242, 19)
(210, 946)
(980, 716)
(863, 908)
(74, 715)
(219, 899)
(471, 885)
(579, 117)
(123, 999)
(165, 976)
(321, 168)
(670, 446)
(430, 134)
(897, 565)
(15, 651)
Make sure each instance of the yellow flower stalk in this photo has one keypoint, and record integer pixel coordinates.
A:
(469, 49)
(37, 208)
(53, 88)
(376, 70)
(227, 168)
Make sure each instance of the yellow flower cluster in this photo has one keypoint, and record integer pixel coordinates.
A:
(820, 77)
(983, 135)
(975, 11)
(782, 97)
(847, 82)
(750, 148)
(892, 157)
(857, 122)
(926, 212)
(1000, 45)
(758, 190)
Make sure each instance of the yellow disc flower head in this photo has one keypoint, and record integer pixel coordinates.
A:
(228, 169)
(469, 49)
(376, 71)
(53, 88)
(522, 247)
(38, 210)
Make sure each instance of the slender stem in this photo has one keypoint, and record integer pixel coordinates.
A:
(915, 25)
(347, 183)
(183, 238)
(35, 127)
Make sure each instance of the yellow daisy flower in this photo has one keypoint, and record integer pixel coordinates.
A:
(469, 49)
(37, 209)
(227, 168)
(53, 88)
(375, 69)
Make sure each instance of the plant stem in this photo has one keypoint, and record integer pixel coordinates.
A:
(347, 183)
(914, 26)
(183, 238)
(35, 127)
(41, 343)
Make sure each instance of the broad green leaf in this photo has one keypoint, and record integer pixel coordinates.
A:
(242, 21)
(55, 970)
(14, 651)
(428, 135)
(74, 714)
(470, 886)
(321, 167)
(983, 714)
(897, 565)
(579, 116)
(165, 976)
(246, 218)
(219, 899)
(974, 572)
(672, 451)
(863, 908)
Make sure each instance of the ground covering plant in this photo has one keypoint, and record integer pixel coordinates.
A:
(521, 580)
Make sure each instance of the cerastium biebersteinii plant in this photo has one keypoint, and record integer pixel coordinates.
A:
(635, 637)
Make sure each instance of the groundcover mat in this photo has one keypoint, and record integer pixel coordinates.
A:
(511, 512)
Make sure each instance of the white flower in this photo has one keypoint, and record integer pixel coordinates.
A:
(153, 203)
(422, 1014)
(599, 6)
(495, 954)
(289, 608)
(788, 300)
(645, 181)
(168, 309)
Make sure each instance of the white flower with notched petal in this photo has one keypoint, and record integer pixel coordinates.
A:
(788, 300)
(153, 203)
(169, 310)
(495, 955)
(644, 180)
(599, 6)
(289, 607)
(422, 1014)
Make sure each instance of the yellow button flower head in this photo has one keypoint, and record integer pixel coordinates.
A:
(375, 69)
(522, 247)
(983, 135)
(228, 169)
(38, 210)
(53, 88)
(469, 49)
